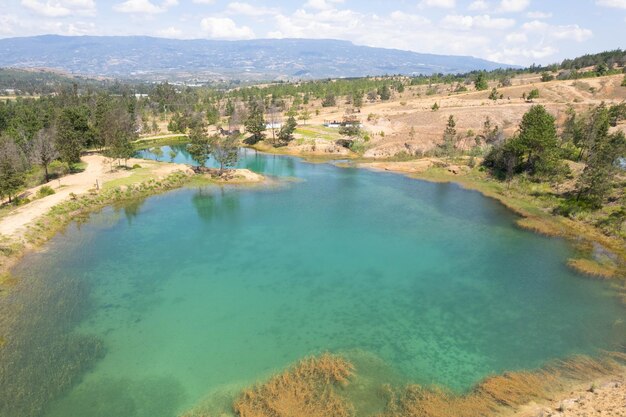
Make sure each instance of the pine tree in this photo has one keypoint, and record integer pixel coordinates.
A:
(255, 124)
(286, 131)
(199, 146)
(481, 82)
(12, 168)
(448, 146)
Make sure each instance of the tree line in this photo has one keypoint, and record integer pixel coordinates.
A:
(35, 133)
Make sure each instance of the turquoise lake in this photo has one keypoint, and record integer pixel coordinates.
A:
(207, 290)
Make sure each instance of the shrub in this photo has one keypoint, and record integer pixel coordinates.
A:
(58, 168)
(45, 191)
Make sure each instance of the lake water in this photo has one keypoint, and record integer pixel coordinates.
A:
(207, 290)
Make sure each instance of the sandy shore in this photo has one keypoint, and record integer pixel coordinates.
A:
(602, 398)
(98, 172)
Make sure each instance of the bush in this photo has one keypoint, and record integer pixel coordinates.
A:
(572, 207)
(58, 169)
(45, 191)
(533, 94)
(136, 166)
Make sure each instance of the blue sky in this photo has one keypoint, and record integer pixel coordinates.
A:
(511, 31)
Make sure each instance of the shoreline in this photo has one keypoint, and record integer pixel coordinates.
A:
(61, 215)
(583, 237)
(43, 225)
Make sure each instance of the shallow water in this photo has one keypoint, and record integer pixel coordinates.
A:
(211, 289)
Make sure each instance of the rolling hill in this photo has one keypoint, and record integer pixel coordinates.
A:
(140, 57)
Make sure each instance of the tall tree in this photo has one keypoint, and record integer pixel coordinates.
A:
(273, 117)
(255, 123)
(119, 133)
(602, 162)
(384, 92)
(12, 168)
(305, 115)
(72, 133)
(225, 150)
(538, 141)
(199, 145)
(43, 151)
(480, 82)
(449, 137)
(286, 131)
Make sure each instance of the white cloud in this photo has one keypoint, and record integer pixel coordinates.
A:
(322, 4)
(144, 6)
(225, 28)
(444, 4)
(170, 32)
(513, 55)
(15, 25)
(564, 32)
(389, 31)
(516, 37)
(7, 22)
(203, 1)
(513, 6)
(572, 32)
(538, 15)
(619, 4)
(61, 8)
(247, 9)
(399, 16)
(478, 5)
(460, 22)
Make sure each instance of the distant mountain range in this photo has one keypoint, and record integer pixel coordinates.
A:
(140, 57)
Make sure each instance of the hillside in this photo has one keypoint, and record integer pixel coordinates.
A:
(390, 123)
(141, 57)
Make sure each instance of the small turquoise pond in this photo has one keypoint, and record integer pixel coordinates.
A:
(207, 290)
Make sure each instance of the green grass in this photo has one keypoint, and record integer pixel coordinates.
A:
(79, 167)
(146, 143)
(137, 176)
(318, 132)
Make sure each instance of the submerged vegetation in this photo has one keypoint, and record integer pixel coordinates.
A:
(319, 386)
(41, 356)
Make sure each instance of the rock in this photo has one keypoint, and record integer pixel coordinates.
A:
(544, 412)
(567, 404)
(344, 143)
(454, 169)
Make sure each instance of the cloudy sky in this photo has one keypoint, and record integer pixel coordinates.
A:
(510, 31)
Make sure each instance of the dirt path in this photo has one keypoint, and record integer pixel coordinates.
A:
(97, 171)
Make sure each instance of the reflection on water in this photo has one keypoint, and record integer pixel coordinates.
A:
(248, 158)
(215, 204)
(211, 289)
